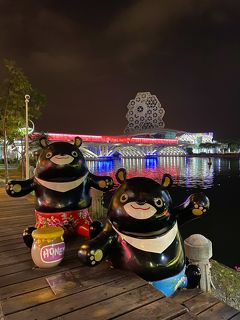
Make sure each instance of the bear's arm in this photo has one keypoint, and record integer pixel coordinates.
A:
(195, 206)
(103, 183)
(92, 252)
(19, 188)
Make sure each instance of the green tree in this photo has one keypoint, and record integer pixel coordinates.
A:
(209, 145)
(234, 146)
(189, 150)
(13, 88)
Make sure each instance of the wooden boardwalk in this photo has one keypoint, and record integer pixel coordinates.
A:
(102, 292)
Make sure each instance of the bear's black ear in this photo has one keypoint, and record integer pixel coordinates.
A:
(121, 175)
(43, 142)
(77, 141)
(167, 180)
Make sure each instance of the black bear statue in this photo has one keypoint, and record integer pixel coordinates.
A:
(141, 233)
(61, 183)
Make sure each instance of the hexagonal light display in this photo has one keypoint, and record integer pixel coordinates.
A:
(144, 114)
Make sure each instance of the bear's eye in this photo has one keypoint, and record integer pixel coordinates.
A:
(74, 154)
(48, 155)
(158, 202)
(124, 197)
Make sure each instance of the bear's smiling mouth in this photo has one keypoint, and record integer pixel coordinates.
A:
(137, 211)
(139, 208)
(62, 157)
(62, 160)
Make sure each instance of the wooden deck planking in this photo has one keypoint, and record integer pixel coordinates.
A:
(14, 248)
(72, 302)
(9, 238)
(161, 309)
(46, 296)
(104, 293)
(204, 305)
(200, 302)
(187, 316)
(41, 283)
(219, 311)
(115, 306)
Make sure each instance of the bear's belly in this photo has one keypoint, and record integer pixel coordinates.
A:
(52, 201)
(148, 265)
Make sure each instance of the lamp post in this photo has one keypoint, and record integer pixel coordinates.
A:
(27, 98)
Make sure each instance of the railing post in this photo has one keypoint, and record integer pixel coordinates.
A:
(96, 209)
(198, 251)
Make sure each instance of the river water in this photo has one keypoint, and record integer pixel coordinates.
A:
(221, 183)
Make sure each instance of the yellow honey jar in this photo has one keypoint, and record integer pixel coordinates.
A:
(48, 246)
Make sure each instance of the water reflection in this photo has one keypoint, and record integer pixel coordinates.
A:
(187, 172)
(101, 167)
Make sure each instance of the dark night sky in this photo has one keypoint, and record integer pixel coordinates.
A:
(91, 57)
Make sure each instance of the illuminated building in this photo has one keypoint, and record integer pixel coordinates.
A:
(145, 135)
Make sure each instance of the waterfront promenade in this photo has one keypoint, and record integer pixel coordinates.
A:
(101, 292)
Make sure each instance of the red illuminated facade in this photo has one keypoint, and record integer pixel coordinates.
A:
(107, 139)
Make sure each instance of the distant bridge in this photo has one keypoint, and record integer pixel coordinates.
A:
(98, 147)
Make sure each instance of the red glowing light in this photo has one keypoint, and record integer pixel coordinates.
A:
(107, 139)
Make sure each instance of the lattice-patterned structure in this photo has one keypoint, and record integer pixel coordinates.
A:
(144, 114)
(196, 138)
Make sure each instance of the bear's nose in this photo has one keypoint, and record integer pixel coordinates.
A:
(141, 202)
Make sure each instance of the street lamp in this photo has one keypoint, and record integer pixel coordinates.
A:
(27, 98)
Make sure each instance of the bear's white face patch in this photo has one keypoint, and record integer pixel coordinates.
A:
(139, 211)
(62, 159)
